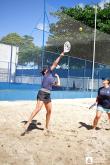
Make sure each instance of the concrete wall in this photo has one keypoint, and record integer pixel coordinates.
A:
(8, 61)
(73, 83)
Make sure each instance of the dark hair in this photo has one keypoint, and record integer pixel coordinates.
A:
(108, 81)
(43, 71)
(106, 78)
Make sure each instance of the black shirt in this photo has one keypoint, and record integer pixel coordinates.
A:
(103, 98)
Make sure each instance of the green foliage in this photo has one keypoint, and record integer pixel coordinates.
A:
(27, 50)
(86, 16)
(12, 39)
(67, 28)
(28, 55)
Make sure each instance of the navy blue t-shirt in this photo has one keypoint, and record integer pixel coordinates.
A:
(104, 97)
(48, 80)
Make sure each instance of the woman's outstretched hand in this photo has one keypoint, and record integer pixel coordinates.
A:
(62, 54)
(56, 75)
(55, 63)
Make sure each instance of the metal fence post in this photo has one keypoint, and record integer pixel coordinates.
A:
(10, 64)
(68, 73)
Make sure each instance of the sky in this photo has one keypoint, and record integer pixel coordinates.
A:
(22, 16)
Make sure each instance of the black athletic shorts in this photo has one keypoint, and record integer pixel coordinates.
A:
(43, 96)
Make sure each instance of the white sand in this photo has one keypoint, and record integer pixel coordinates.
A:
(70, 142)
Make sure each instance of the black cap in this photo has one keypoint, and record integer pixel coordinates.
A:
(106, 78)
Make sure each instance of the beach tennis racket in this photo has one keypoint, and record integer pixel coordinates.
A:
(93, 105)
(67, 47)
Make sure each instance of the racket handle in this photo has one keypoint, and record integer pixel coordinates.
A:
(62, 54)
(92, 105)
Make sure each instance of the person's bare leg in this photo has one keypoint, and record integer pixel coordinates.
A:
(96, 119)
(34, 113)
(109, 117)
(48, 107)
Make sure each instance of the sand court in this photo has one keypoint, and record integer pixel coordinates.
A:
(70, 142)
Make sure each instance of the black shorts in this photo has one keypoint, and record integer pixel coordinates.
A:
(43, 96)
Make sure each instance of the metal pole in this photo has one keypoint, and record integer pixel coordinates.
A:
(10, 76)
(84, 75)
(43, 39)
(93, 62)
(68, 72)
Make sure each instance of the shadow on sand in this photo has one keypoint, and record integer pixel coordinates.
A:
(88, 127)
(34, 125)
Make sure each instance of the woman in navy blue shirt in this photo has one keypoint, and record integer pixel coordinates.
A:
(103, 101)
(43, 96)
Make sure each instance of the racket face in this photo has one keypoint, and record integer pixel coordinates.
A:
(67, 46)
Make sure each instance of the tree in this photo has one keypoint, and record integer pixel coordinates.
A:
(67, 28)
(86, 16)
(12, 39)
(27, 50)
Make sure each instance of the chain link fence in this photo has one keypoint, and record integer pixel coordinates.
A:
(75, 73)
(75, 68)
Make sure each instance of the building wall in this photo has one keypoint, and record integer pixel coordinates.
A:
(8, 61)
